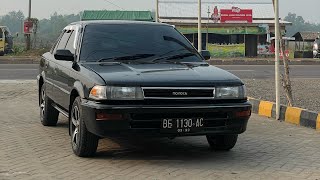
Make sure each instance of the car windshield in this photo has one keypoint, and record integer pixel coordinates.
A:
(135, 42)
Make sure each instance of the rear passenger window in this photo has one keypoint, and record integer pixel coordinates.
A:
(70, 44)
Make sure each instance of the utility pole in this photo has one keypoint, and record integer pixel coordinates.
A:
(207, 41)
(199, 27)
(28, 36)
(277, 62)
(157, 11)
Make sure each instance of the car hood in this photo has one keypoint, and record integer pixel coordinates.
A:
(162, 75)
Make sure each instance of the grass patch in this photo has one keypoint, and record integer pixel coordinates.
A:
(232, 50)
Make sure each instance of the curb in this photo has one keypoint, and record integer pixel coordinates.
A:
(292, 115)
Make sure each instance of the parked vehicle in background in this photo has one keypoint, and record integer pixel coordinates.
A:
(6, 41)
(123, 78)
(316, 48)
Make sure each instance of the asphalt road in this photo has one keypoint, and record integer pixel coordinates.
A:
(18, 71)
(29, 71)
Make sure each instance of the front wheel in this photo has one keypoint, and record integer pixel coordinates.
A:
(84, 143)
(222, 142)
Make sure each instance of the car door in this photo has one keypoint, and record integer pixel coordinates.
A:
(48, 66)
(61, 74)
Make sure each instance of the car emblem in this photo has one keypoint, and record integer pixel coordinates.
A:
(180, 93)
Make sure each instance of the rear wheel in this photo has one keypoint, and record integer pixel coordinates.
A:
(48, 114)
(84, 143)
(222, 142)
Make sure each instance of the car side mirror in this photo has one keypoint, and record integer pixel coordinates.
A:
(64, 55)
(206, 54)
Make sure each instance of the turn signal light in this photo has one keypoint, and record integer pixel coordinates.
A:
(243, 113)
(107, 117)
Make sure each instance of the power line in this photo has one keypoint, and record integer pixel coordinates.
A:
(114, 4)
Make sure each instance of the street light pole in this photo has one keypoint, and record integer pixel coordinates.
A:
(277, 59)
(157, 10)
(29, 9)
(199, 27)
(28, 36)
(207, 39)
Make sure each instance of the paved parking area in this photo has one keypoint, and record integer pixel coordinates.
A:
(268, 150)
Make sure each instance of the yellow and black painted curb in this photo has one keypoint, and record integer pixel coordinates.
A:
(293, 115)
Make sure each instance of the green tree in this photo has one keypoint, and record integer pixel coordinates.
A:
(49, 29)
(14, 20)
(299, 24)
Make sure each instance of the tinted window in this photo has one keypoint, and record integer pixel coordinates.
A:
(117, 40)
(70, 44)
(64, 40)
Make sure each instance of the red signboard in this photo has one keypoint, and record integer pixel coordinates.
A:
(28, 27)
(286, 53)
(236, 15)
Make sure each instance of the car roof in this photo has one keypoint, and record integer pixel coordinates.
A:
(119, 22)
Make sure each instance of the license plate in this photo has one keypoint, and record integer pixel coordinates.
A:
(182, 125)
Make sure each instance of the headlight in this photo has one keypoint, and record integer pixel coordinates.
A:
(116, 93)
(236, 92)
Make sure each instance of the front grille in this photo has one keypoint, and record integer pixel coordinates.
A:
(153, 120)
(179, 93)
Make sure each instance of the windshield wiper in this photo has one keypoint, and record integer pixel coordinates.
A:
(172, 57)
(129, 58)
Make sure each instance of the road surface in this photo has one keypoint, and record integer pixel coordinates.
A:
(29, 71)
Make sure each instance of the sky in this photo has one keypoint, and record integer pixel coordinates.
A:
(308, 9)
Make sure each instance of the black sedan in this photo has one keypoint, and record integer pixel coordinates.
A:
(124, 78)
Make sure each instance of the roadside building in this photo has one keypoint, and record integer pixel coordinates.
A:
(241, 28)
(303, 45)
(116, 15)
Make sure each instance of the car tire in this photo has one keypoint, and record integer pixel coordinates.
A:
(222, 142)
(83, 142)
(48, 114)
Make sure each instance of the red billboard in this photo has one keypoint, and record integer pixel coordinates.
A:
(236, 15)
(28, 27)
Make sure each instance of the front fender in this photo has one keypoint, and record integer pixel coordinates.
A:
(78, 87)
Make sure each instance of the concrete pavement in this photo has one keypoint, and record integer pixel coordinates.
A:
(268, 150)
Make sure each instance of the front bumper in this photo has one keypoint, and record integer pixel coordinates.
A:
(146, 119)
